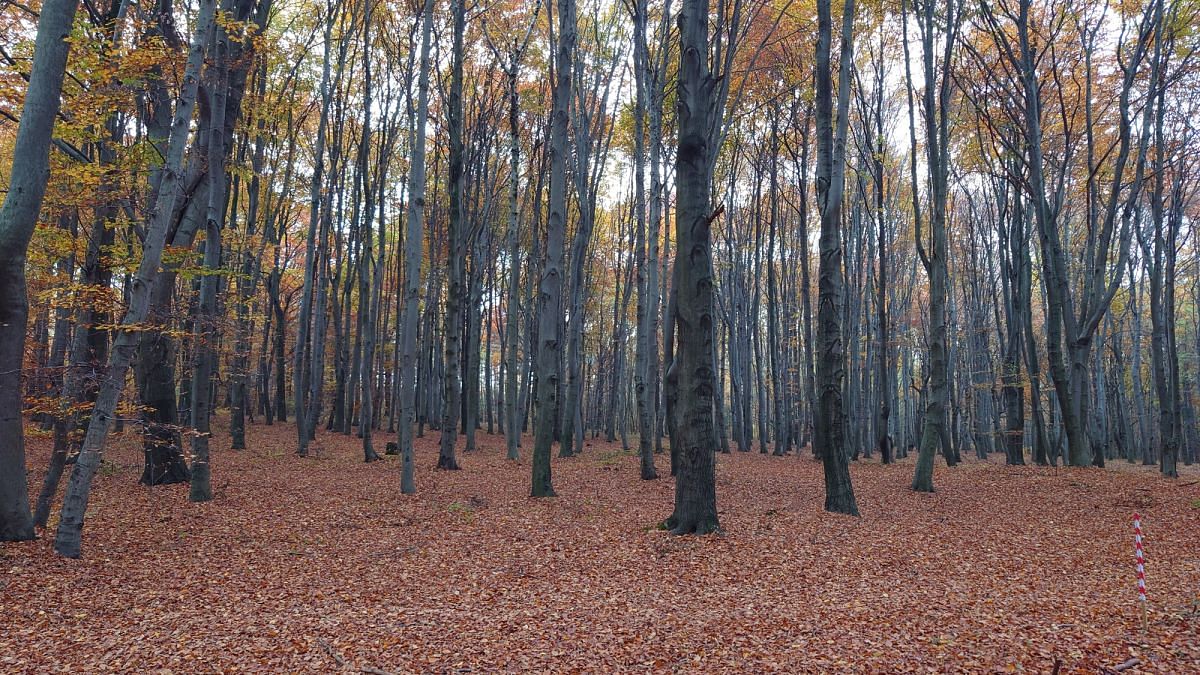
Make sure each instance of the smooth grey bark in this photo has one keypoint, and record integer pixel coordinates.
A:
(729, 302)
(828, 427)
(809, 372)
(1053, 257)
(1042, 453)
(1013, 237)
(512, 308)
(936, 107)
(978, 373)
(512, 242)
(690, 380)
(413, 252)
(278, 307)
(647, 265)
(279, 370)
(67, 541)
(456, 253)
(480, 242)
(370, 280)
(324, 288)
(529, 362)
(592, 137)
(300, 370)
(345, 274)
(154, 365)
(1161, 252)
(885, 383)
(549, 346)
(489, 402)
(654, 98)
(246, 285)
(272, 358)
(1099, 282)
(18, 217)
(69, 386)
(755, 335)
(782, 409)
(206, 327)
(618, 395)
(164, 461)
(1073, 316)
(571, 435)
(1142, 435)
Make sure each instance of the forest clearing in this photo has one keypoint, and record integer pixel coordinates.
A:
(297, 564)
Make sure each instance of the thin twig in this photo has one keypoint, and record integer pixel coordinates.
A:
(1131, 663)
(341, 660)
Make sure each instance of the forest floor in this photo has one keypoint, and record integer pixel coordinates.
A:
(321, 565)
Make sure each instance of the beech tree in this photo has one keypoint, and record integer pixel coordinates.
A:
(550, 282)
(829, 425)
(937, 73)
(456, 253)
(690, 380)
(67, 541)
(18, 216)
(413, 251)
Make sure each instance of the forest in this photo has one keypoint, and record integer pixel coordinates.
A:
(401, 336)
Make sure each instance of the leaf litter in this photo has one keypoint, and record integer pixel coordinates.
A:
(321, 565)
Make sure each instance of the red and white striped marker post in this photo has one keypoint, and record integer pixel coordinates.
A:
(1141, 566)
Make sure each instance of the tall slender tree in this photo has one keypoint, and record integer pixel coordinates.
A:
(647, 268)
(457, 252)
(18, 217)
(829, 425)
(413, 252)
(936, 103)
(67, 541)
(370, 270)
(301, 363)
(206, 326)
(550, 284)
(511, 64)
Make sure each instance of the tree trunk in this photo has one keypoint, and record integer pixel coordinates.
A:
(647, 266)
(935, 433)
(512, 307)
(70, 529)
(828, 437)
(303, 348)
(246, 285)
(885, 384)
(1012, 244)
(690, 379)
(810, 378)
(18, 217)
(207, 326)
(775, 354)
(414, 248)
(368, 283)
(456, 261)
(550, 285)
